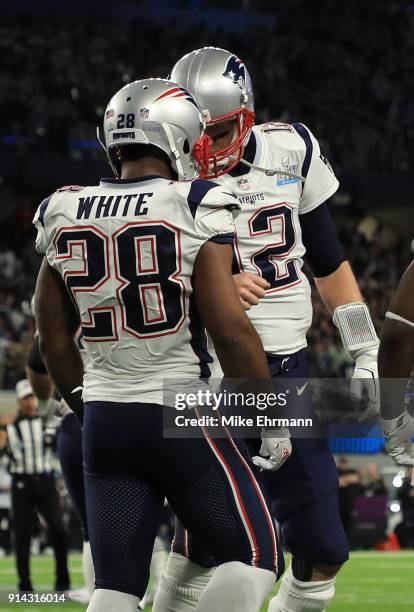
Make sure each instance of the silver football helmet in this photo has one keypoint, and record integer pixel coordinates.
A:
(221, 84)
(160, 113)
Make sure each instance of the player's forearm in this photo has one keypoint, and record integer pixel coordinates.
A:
(396, 352)
(241, 354)
(339, 288)
(41, 383)
(57, 322)
(65, 366)
(238, 346)
(395, 363)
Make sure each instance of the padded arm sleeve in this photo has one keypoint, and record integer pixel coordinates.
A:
(324, 252)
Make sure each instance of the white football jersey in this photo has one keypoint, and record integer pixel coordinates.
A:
(126, 251)
(269, 237)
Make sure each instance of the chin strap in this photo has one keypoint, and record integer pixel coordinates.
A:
(99, 139)
(271, 172)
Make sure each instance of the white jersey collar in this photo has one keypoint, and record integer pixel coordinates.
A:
(145, 179)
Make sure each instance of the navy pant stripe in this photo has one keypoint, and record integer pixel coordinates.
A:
(262, 500)
(260, 524)
(234, 483)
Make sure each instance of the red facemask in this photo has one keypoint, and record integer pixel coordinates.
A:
(201, 153)
(244, 123)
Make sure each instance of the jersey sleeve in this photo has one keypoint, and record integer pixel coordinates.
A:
(213, 208)
(41, 243)
(320, 180)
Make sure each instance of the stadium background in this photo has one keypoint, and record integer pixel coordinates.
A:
(343, 69)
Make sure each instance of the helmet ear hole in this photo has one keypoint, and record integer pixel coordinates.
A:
(186, 146)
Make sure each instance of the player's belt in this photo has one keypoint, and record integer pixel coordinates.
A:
(282, 363)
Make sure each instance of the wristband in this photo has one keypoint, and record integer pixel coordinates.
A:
(355, 326)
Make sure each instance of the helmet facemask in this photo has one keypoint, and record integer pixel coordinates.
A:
(201, 153)
(225, 159)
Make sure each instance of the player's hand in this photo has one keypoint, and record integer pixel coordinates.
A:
(398, 433)
(365, 385)
(251, 288)
(275, 450)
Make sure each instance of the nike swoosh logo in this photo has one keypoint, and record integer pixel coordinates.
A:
(300, 390)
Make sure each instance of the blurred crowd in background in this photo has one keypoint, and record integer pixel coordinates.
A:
(376, 511)
(354, 89)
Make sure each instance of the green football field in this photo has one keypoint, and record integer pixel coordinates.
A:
(370, 582)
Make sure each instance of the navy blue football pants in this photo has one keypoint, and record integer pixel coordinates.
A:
(69, 452)
(129, 469)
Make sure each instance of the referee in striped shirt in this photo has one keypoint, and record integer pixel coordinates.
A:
(33, 487)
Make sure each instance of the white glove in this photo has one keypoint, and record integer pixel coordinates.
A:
(360, 339)
(398, 433)
(365, 383)
(59, 409)
(274, 450)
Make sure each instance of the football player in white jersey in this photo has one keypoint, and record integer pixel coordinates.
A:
(395, 366)
(282, 181)
(140, 262)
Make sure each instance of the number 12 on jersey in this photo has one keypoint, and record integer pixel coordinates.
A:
(272, 261)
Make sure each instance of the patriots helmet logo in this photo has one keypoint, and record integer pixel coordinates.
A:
(177, 92)
(235, 70)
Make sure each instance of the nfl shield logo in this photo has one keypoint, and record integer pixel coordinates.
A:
(143, 113)
(244, 184)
